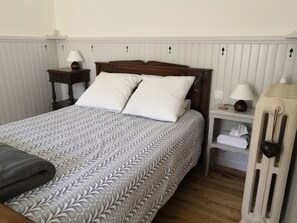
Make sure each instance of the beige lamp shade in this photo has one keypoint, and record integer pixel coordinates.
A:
(242, 93)
(74, 56)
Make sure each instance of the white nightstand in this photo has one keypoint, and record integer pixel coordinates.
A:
(220, 120)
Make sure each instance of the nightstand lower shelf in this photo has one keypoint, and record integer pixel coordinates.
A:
(229, 148)
(216, 145)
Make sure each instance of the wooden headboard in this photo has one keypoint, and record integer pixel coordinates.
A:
(199, 92)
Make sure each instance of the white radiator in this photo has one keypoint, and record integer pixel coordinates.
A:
(266, 177)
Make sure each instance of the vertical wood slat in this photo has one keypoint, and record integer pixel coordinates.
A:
(5, 104)
(230, 48)
(24, 86)
(253, 65)
(294, 77)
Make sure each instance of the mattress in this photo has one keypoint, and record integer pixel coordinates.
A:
(110, 167)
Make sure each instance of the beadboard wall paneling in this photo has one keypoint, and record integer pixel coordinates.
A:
(258, 62)
(24, 86)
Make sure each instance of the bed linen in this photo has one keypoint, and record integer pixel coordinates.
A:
(110, 167)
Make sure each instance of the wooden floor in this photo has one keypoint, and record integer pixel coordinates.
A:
(199, 199)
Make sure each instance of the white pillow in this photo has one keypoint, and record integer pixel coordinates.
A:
(110, 91)
(186, 106)
(159, 98)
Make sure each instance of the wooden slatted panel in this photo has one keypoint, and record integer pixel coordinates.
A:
(255, 63)
(24, 86)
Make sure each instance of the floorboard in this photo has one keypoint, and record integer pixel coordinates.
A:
(199, 199)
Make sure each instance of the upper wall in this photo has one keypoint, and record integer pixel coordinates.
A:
(138, 18)
(34, 18)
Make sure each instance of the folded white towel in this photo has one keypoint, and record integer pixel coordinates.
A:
(236, 141)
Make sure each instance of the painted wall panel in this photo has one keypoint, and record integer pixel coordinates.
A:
(24, 86)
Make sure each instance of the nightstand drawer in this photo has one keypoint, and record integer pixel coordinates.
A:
(68, 76)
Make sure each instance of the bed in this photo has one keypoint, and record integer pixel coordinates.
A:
(111, 167)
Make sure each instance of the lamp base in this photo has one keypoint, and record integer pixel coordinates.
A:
(75, 65)
(240, 106)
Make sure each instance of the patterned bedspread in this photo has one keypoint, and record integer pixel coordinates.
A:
(110, 167)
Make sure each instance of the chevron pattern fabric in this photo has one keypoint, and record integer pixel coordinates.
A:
(110, 167)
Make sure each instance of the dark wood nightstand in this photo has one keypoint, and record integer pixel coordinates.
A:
(69, 77)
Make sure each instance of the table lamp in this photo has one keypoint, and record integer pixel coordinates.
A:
(74, 56)
(242, 93)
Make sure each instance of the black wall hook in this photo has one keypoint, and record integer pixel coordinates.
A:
(291, 52)
(127, 49)
(45, 47)
(169, 49)
(223, 51)
(92, 47)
